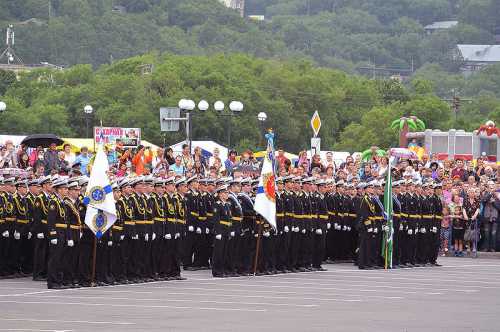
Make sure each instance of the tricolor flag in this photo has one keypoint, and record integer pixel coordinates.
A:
(101, 209)
(265, 201)
(388, 214)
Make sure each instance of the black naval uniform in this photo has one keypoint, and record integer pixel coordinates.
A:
(222, 229)
(40, 234)
(366, 225)
(22, 249)
(57, 228)
(73, 234)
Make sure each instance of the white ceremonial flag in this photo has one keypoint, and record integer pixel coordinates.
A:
(101, 209)
(265, 201)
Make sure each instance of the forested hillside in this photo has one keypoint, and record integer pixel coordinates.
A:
(335, 33)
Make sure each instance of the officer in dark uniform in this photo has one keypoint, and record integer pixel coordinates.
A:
(9, 229)
(129, 244)
(57, 231)
(40, 229)
(87, 240)
(170, 255)
(73, 235)
(34, 189)
(181, 228)
(285, 251)
(396, 220)
(234, 263)
(158, 208)
(350, 215)
(118, 269)
(204, 237)
(21, 250)
(280, 225)
(222, 232)
(437, 208)
(193, 233)
(320, 228)
(248, 227)
(366, 225)
(424, 234)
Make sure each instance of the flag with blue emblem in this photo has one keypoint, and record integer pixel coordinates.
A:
(101, 209)
(265, 200)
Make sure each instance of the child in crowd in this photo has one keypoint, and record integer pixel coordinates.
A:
(458, 224)
(445, 231)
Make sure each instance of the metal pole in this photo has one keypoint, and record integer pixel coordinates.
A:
(229, 131)
(188, 129)
(87, 126)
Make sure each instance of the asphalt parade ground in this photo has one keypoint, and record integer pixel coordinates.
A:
(462, 295)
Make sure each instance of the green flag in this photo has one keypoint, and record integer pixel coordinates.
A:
(388, 214)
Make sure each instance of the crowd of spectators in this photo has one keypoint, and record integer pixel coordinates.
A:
(471, 189)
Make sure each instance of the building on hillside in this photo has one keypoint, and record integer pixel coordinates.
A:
(238, 5)
(439, 25)
(475, 57)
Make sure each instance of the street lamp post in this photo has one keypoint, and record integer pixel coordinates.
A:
(187, 105)
(262, 117)
(88, 110)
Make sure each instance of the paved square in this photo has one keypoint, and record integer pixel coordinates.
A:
(463, 295)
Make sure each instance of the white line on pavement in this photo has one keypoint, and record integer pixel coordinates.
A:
(134, 306)
(184, 300)
(65, 321)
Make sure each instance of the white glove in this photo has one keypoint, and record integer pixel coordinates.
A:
(17, 235)
(29, 235)
(207, 230)
(375, 230)
(386, 228)
(348, 228)
(336, 226)
(416, 230)
(303, 231)
(191, 228)
(410, 232)
(146, 237)
(266, 234)
(233, 234)
(319, 231)
(370, 230)
(328, 226)
(286, 229)
(344, 228)
(401, 227)
(71, 243)
(53, 241)
(423, 230)
(5, 234)
(218, 237)
(40, 236)
(81, 234)
(122, 237)
(256, 235)
(177, 235)
(110, 243)
(153, 237)
(198, 230)
(434, 229)
(135, 237)
(168, 237)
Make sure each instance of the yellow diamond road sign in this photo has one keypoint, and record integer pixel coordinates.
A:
(315, 123)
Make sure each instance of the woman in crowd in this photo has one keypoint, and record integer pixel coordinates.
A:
(458, 224)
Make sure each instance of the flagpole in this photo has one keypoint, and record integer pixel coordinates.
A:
(257, 250)
(94, 258)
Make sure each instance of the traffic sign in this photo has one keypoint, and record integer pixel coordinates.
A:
(316, 123)
(169, 118)
(315, 145)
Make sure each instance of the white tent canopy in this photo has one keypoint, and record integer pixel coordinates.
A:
(208, 146)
